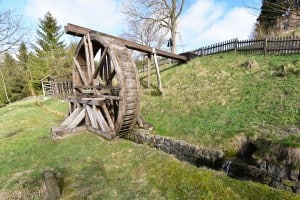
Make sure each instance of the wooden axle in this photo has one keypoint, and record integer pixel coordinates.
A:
(81, 31)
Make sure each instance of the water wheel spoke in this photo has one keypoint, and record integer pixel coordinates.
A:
(110, 77)
(80, 72)
(91, 50)
(108, 117)
(87, 57)
(101, 63)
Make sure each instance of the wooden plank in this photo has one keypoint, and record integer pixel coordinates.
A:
(91, 50)
(108, 117)
(92, 98)
(61, 131)
(87, 91)
(77, 120)
(148, 70)
(101, 121)
(71, 117)
(106, 135)
(80, 72)
(51, 183)
(87, 57)
(85, 102)
(81, 31)
(98, 69)
(92, 117)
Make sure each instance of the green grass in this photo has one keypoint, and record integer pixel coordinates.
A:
(94, 168)
(211, 100)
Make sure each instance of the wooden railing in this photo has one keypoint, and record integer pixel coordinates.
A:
(62, 86)
(281, 45)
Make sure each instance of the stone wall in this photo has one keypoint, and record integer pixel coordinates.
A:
(279, 177)
(193, 154)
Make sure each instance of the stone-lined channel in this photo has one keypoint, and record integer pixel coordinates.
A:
(245, 167)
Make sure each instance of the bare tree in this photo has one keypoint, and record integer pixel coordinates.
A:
(145, 32)
(11, 30)
(157, 17)
(275, 15)
(11, 33)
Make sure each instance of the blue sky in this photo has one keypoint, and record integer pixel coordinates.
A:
(203, 21)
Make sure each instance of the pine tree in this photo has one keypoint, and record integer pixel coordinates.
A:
(12, 79)
(49, 34)
(26, 69)
(51, 55)
(273, 13)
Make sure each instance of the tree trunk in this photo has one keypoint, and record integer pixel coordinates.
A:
(173, 26)
(173, 36)
(4, 86)
(30, 82)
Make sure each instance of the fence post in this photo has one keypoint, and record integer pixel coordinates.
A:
(235, 44)
(265, 46)
(149, 70)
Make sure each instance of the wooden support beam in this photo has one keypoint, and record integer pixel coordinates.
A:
(77, 120)
(157, 70)
(86, 102)
(106, 135)
(92, 118)
(81, 31)
(148, 70)
(101, 121)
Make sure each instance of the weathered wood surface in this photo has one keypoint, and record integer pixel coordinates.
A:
(81, 31)
(51, 182)
(106, 91)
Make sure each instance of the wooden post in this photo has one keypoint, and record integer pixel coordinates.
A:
(44, 92)
(149, 69)
(265, 46)
(157, 70)
(51, 183)
(235, 44)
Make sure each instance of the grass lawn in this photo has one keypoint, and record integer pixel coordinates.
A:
(93, 168)
(210, 101)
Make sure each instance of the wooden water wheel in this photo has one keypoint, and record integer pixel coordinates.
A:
(105, 86)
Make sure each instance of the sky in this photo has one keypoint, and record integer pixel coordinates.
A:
(203, 22)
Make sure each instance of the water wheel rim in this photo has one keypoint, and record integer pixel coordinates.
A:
(128, 106)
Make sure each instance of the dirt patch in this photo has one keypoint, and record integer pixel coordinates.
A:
(250, 64)
(39, 104)
(13, 133)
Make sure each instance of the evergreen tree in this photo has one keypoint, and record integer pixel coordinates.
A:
(49, 34)
(51, 54)
(274, 15)
(23, 56)
(271, 12)
(12, 79)
(26, 69)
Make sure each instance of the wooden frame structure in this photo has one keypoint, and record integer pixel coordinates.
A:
(105, 81)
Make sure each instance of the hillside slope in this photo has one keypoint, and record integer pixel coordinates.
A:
(215, 100)
(93, 168)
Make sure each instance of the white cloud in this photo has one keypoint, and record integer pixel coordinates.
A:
(205, 22)
(208, 22)
(101, 15)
